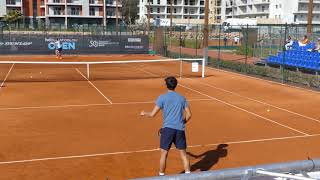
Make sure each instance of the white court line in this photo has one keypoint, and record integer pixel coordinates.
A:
(247, 111)
(94, 86)
(151, 150)
(272, 82)
(6, 76)
(239, 108)
(56, 106)
(261, 102)
(88, 105)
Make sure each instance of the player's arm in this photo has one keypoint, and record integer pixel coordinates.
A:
(154, 112)
(187, 115)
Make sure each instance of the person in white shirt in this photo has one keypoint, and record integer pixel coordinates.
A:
(289, 43)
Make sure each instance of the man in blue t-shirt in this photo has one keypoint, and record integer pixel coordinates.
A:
(173, 106)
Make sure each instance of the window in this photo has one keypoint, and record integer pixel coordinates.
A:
(262, 8)
(92, 11)
(75, 11)
(57, 11)
(175, 10)
(158, 1)
(276, 6)
(158, 10)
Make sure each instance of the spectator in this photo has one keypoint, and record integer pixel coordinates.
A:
(225, 40)
(236, 40)
(304, 41)
(289, 43)
(317, 48)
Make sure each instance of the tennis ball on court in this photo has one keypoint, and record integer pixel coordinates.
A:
(31, 77)
(40, 72)
(268, 110)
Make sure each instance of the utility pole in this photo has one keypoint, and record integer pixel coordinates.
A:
(310, 16)
(171, 12)
(149, 9)
(117, 18)
(206, 31)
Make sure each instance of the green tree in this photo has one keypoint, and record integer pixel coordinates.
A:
(13, 16)
(130, 10)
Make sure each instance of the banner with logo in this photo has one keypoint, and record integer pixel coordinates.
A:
(74, 44)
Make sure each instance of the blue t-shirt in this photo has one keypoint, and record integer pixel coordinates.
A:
(172, 105)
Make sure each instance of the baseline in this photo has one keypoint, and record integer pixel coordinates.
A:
(152, 150)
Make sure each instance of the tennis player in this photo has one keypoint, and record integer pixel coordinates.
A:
(173, 106)
(58, 51)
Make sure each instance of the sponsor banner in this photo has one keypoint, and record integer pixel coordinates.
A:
(74, 44)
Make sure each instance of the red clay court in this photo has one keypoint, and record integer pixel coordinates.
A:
(74, 128)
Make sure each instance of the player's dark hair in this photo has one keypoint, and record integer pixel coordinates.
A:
(171, 82)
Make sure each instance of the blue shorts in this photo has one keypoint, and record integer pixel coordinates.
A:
(59, 49)
(169, 136)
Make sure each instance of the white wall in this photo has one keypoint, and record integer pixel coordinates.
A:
(85, 7)
(3, 7)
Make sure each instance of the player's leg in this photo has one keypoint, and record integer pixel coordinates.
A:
(57, 53)
(181, 145)
(60, 55)
(166, 140)
(185, 160)
(163, 161)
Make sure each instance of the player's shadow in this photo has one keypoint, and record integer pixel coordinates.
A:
(209, 158)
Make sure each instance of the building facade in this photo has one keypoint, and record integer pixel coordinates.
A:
(270, 11)
(65, 13)
(184, 11)
(8, 5)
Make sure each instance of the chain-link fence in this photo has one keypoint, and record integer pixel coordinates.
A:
(263, 50)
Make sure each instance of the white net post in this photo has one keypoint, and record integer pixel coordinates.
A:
(88, 71)
(203, 67)
(180, 67)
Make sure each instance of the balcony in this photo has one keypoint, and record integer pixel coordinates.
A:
(96, 3)
(74, 2)
(56, 13)
(261, 2)
(14, 3)
(112, 3)
(56, 2)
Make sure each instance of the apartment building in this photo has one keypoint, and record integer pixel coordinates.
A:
(214, 11)
(270, 11)
(8, 5)
(66, 13)
(184, 11)
(301, 12)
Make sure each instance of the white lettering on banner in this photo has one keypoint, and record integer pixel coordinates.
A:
(134, 47)
(195, 67)
(15, 43)
(102, 43)
(60, 39)
(134, 39)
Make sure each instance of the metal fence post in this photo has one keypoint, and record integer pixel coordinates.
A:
(219, 47)
(284, 54)
(247, 41)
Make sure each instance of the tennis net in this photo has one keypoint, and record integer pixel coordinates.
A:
(26, 71)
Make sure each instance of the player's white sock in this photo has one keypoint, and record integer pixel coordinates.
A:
(187, 172)
(161, 174)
